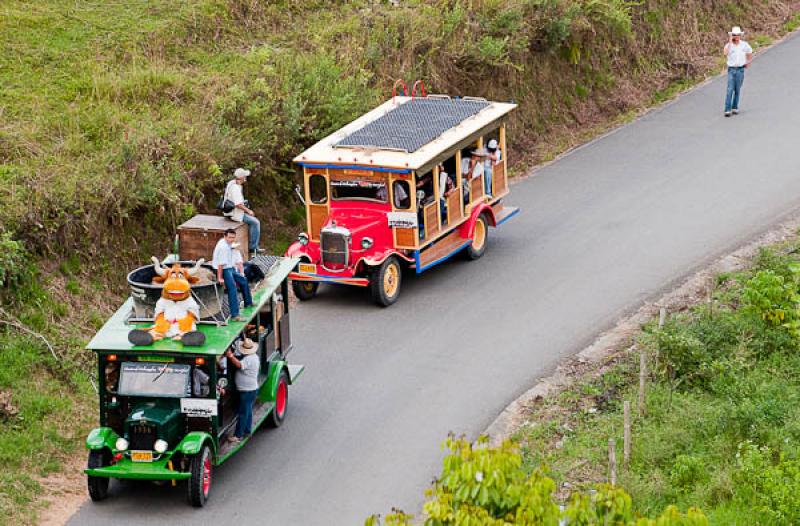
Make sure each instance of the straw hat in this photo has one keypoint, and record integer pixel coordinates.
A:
(736, 31)
(248, 346)
(480, 152)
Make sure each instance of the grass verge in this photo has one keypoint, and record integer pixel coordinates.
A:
(721, 426)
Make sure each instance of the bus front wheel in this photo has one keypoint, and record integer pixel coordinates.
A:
(98, 486)
(385, 282)
(305, 290)
(200, 480)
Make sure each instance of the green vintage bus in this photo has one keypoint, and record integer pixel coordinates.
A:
(167, 410)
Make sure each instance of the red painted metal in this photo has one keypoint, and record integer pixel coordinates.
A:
(206, 475)
(280, 399)
(414, 88)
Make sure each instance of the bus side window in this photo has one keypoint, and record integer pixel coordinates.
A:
(402, 195)
(318, 189)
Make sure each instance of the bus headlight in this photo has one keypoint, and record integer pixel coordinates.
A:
(303, 238)
(366, 243)
(121, 445)
(160, 446)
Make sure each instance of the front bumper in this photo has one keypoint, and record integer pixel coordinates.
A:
(326, 278)
(127, 469)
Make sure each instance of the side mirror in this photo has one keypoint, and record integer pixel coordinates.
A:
(222, 383)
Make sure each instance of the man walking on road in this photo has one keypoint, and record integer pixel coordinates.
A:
(241, 212)
(738, 54)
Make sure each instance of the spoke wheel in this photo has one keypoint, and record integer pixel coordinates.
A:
(281, 401)
(385, 282)
(480, 237)
(200, 482)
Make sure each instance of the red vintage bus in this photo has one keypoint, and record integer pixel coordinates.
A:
(407, 185)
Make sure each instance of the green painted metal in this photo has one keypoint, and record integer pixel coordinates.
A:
(126, 469)
(270, 387)
(113, 336)
(193, 442)
(256, 426)
(101, 437)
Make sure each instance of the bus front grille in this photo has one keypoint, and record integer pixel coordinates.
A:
(334, 247)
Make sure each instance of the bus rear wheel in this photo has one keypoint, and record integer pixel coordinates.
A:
(278, 414)
(200, 480)
(385, 282)
(480, 238)
(305, 290)
(98, 486)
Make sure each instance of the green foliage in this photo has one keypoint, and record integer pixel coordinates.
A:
(771, 297)
(773, 485)
(483, 486)
(13, 261)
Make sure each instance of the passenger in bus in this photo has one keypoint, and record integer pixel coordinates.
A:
(401, 198)
(472, 164)
(493, 159)
(446, 185)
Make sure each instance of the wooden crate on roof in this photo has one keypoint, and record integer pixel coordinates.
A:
(198, 236)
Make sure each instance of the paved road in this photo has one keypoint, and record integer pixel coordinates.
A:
(602, 230)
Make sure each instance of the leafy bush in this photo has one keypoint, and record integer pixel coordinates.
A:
(13, 261)
(487, 486)
(771, 487)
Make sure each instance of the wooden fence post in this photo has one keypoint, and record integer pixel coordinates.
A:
(662, 317)
(626, 443)
(642, 382)
(612, 462)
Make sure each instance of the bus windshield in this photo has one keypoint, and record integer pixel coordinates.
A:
(359, 190)
(168, 380)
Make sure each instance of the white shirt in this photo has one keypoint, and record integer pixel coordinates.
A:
(443, 177)
(400, 195)
(233, 192)
(477, 171)
(223, 255)
(737, 53)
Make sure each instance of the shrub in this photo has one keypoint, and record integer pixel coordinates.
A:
(13, 261)
(487, 486)
(770, 487)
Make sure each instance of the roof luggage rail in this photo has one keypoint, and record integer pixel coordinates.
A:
(478, 99)
(414, 88)
(394, 89)
(438, 96)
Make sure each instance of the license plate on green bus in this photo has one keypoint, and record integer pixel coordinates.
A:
(142, 456)
(308, 268)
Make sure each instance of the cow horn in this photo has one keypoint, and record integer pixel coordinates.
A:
(192, 271)
(161, 271)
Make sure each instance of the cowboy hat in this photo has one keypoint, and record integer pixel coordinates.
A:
(480, 152)
(736, 31)
(241, 172)
(248, 346)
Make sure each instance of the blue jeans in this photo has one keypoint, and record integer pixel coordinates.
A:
(254, 233)
(735, 80)
(233, 280)
(487, 177)
(245, 424)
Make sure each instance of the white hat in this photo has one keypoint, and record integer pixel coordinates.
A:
(248, 347)
(241, 172)
(736, 31)
(492, 144)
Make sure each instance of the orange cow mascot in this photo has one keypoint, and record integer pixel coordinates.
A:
(176, 311)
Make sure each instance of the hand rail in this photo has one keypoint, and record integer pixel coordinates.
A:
(394, 88)
(414, 88)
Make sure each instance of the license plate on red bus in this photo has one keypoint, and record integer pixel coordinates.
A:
(307, 268)
(142, 456)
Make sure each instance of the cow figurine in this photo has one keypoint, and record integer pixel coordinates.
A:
(176, 311)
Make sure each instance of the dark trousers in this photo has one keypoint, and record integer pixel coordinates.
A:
(234, 280)
(245, 424)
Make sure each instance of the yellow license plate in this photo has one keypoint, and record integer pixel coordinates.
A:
(308, 268)
(142, 456)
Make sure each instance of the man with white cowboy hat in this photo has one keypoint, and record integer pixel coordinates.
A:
(246, 381)
(738, 55)
(241, 212)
